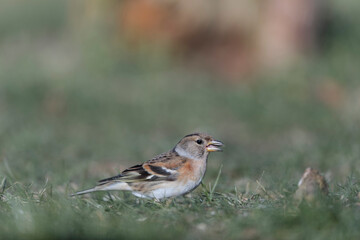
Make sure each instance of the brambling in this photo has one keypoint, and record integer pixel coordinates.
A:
(311, 186)
(170, 174)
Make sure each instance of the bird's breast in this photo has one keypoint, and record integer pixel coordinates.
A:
(192, 170)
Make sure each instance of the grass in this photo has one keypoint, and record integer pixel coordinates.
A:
(66, 124)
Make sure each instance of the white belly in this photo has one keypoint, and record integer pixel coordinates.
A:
(169, 190)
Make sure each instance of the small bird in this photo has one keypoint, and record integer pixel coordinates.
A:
(312, 186)
(170, 174)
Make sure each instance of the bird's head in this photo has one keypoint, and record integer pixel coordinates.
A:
(197, 146)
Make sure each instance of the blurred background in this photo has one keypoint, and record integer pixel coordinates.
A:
(88, 88)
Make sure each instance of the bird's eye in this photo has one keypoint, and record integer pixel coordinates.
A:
(199, 141)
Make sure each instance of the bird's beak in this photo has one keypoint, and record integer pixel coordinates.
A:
(214, 146)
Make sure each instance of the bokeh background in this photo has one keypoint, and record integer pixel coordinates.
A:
(88, 88)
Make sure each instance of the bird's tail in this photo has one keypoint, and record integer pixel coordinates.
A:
(84, 192)
(105, 187)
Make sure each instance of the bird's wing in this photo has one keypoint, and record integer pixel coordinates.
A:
(162, 167)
